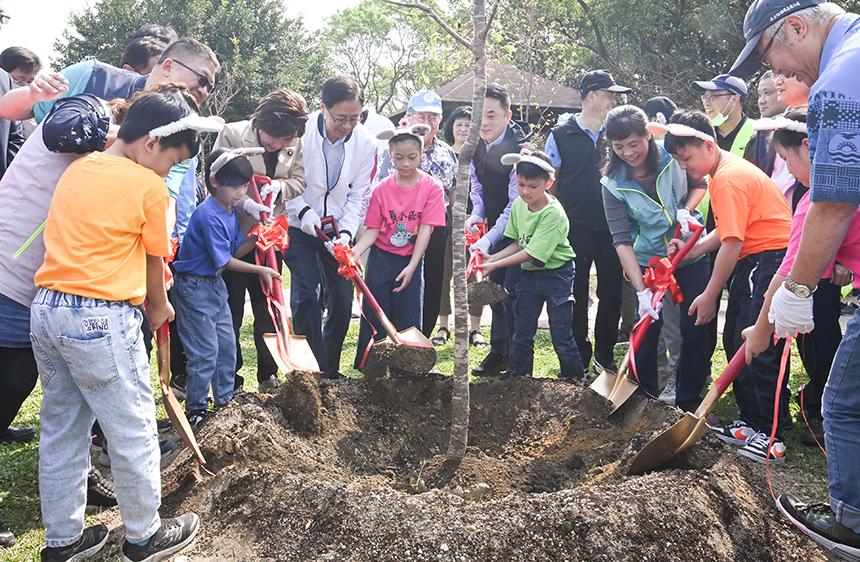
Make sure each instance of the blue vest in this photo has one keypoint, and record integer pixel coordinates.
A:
(652, 223)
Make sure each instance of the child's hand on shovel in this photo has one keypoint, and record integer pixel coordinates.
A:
(758, 340)
(487, 263)
(159, 313)
(267, 274)
(673, 246)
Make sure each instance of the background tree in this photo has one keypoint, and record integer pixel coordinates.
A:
(259, 48)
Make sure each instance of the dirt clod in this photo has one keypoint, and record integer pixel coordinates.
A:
(484, 293)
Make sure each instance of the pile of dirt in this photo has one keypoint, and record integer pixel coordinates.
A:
(356, 470)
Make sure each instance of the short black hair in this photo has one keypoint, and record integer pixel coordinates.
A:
(695, 119)
(152, 109)
(499, 92)
(234, 173)
(791, 139)
(406, 137)
(162, 33)
(448, 130)
(282, 113)
(20, 57)
(529, 171)
(188, 47)
(140, 50)
(341, 88)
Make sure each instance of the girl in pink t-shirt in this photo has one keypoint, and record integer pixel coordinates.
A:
(403, 210)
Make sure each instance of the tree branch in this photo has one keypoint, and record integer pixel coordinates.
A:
(432, 13)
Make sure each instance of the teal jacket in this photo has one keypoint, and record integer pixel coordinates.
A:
(652, 223)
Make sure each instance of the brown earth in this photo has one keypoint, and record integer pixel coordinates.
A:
(355, 470)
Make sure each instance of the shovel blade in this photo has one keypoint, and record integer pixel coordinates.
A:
(610, 387)
(412, 352)
(624, 391)
(179, 421)
(275, 350)
(300, 353)
(668, 444)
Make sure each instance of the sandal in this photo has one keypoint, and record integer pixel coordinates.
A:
(476, 339)
(441, 337)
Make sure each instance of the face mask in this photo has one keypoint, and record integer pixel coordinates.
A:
(723, 116)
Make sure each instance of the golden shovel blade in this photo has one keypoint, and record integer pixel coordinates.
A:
(416, 352)
(296, 355)
(615, 388)
(668, 444)
(179, 421)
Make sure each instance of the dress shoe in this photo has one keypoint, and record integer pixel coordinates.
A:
(492, 365)
(14, 434)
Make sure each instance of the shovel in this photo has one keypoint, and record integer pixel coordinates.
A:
(171, 404)
(409, 350)
(290, 352)
(618, 387)
(482, 292)
(691, 427)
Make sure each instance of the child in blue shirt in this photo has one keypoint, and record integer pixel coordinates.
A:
(212, 243)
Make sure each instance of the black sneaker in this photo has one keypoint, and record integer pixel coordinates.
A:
(819, 522)
(196, 417)
(173, 535)
(6, 536)
(492, 365)
(15, 434)
(92, 541)
(177, 385)
(163, 426)
(100, 490)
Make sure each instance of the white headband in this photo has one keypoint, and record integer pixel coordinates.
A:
(222, 160)
(780, 123)
(678, 130)
(418, 131)
(191, 121)
(525, 155)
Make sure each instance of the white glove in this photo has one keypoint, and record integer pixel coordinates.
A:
(684, 217)
(645, 307)
(790, 314)
(482, 245)
(471, 222)
(273, 188)
(342, 239)
(310, 222)
(254, 209)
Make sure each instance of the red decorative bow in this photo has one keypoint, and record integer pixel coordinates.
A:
(660, 277)
(349, 267)
(272, 235)
(472, 237)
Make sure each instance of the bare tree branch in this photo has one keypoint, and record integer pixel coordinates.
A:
(432, 13)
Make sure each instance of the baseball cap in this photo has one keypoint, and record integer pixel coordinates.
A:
(761, 15)
(600, 80)
(733, 84)
(426, 101)
(659, 104)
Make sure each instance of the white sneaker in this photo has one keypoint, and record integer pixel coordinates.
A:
(669, 393)
(757, 449)
(735, 433)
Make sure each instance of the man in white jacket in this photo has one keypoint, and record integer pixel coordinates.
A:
(340, 163)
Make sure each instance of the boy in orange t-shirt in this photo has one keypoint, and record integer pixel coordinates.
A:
(753, 223)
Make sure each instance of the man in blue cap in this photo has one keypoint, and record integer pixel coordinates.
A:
(439, 161)
(722, 98)
(819, 44)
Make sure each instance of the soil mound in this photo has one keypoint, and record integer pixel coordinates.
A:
(355, 470)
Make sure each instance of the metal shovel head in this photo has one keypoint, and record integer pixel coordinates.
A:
(610, 387)
(179, 421)
(668, 444)
(297, 355)
(413, 352)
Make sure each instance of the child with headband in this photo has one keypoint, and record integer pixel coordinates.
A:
(106, 235)
(212, 243)
(753, 222)
(539, 225)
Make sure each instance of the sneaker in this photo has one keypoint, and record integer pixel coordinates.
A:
(173, 535)
(177, 385)
(15, 434)
(669, 393)
(756, 449)
(735, 433)
(492, 365)
(623, 337)
(6, 536)
(814, 433)
(269, 385)
(163, 426)
(92, 540)
(100, 490)
(196, 417)
(819, 522)
(166, 447)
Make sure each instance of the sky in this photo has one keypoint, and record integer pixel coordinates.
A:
(36, 24)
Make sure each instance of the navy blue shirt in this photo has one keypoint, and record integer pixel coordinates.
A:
(212, 238)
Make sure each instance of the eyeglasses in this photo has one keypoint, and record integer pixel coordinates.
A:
(709, 98)
(340, 121)
(202, 81)
(426, 117)
(20, 83)
(4, 19)
(766, 50)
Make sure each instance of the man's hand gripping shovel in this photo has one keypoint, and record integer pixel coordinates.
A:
(410, 350)
(659, 278)
(291, 352)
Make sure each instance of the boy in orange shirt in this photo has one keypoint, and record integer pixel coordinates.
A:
(753, 223)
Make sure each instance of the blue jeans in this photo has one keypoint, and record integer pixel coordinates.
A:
(694, 362)
(206, 329)
(841, 409)
(755, 387)
(403, 308)
(555, 288)
(92, 364)
(502, 322)
(310, 266)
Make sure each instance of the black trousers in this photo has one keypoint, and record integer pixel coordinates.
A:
(818, 347)
(596, 247)
(434, 273)
(18, 376)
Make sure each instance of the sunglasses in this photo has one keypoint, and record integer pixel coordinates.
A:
(202, 81)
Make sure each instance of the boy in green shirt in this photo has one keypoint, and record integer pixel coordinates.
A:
(539, 224)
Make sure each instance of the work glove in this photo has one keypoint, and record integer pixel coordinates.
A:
(482, 245)
(472, 221)
(342, 239)
(273, 189)
(790, 314)
(684, 218)
(254, 209)
(310, 222)
(645, 306)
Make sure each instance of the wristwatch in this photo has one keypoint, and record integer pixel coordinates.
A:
(801, 291)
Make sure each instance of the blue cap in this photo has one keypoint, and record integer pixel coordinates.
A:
(426, 101)
(727, 82)
(82, 130)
